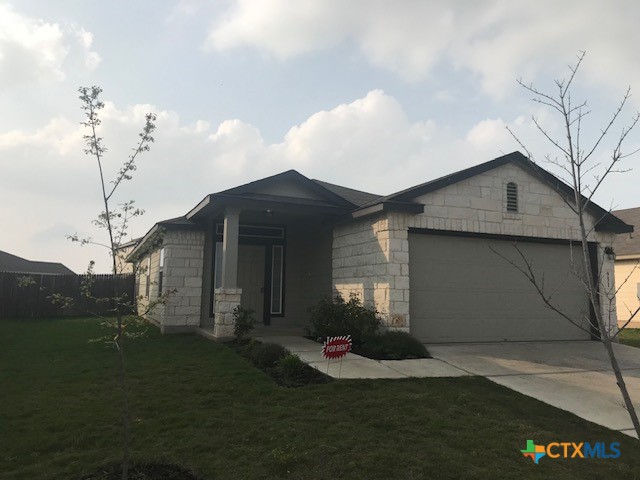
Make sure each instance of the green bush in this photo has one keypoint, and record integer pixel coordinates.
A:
(339, 317)
(291, 366)
(246, 348)
(243, 322)
(392, 345)
(267, 355)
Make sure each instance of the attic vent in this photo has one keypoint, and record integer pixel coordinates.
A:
(512, 197)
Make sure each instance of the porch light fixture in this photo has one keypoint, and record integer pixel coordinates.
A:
(611, 255)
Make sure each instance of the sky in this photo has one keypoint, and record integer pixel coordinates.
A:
(370, 94)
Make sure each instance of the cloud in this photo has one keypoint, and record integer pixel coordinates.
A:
(488, 133)
(495, 40)
(32, 50)
(49, 187)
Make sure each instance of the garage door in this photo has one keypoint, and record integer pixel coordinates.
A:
(461, 291)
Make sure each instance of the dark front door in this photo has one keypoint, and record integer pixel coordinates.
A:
(251, 268)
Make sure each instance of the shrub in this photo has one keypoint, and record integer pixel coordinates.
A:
(339, 317)
(291, 365)
(392, 345)
(267, 355)
(243, 322)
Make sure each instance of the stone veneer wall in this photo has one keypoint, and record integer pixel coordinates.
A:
(371, 256)
(183, 264)
(141, 281)
(225, 302)
(371, 260)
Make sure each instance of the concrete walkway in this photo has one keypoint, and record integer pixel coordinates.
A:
(355, 366)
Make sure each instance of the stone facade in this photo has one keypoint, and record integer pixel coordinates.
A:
(371, 260)
(182, 271)
(371, 256)
(225, 302)
(147, 284)
(183, 266)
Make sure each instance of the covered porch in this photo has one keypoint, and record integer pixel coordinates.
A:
(268, 248)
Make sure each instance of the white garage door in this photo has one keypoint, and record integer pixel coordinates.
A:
(462, 291)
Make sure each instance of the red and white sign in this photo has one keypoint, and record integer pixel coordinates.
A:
(336, 347)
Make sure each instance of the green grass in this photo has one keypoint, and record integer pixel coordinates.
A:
(630, 336)
(199, 404)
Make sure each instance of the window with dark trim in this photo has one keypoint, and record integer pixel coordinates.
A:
(277, 263)
(160, 272)
(147, 277)
(512, 197)
(255, 231)
(217, 266)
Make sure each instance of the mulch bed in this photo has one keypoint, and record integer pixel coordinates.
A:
(308, 375)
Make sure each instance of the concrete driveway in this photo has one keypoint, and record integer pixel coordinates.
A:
(573, 376)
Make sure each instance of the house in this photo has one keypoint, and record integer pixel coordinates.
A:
(14, 264)
(122, 252)
(627, 267)
(436, 259)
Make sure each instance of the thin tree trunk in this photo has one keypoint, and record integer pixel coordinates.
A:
(126, 420)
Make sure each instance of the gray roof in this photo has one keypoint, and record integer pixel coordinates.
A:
(356, 197)
(628, 243)
(131, 243)
(15, 264)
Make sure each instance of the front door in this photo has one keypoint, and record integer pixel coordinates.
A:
(251, 262)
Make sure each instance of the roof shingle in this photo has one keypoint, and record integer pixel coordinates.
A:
(15, 264)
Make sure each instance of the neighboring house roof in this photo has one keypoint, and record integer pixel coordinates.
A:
(14, 264)
(628, 244)
(131, 243)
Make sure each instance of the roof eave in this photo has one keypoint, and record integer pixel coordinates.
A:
(635, 256)
(406, 207)
(614, 227)
(216, 203)
(199, 207)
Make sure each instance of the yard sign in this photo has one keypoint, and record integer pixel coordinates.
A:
(336, 347)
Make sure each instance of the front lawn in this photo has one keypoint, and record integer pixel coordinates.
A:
(199, 404)
(630, 336)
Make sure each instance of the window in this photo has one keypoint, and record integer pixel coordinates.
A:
(254, 231)
(160, 272)
(217, 277)
(276, 279)
(512, 197)
(147, 277)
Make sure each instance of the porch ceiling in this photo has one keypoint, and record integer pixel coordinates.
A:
(215, 204)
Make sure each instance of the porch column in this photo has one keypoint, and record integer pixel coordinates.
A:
(228, 296)
(230, 248)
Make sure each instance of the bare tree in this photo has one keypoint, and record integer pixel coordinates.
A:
(582, 167)
(115, 220)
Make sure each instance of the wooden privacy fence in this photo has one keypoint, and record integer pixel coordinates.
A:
(20, 297)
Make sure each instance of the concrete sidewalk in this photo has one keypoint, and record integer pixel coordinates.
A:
(355, 366)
